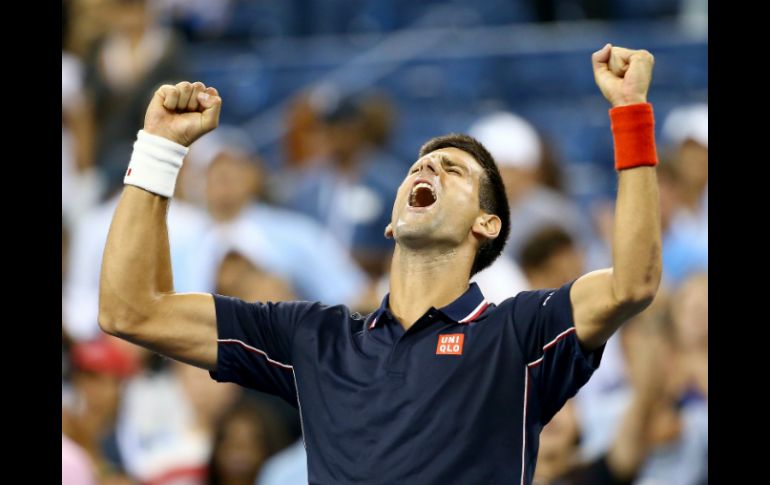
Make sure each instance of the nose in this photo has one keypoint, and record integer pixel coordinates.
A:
(429, 164)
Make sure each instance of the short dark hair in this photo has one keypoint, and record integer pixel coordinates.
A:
(492, 198)
(542, 245)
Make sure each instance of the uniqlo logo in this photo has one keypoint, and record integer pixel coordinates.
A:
(450, 344)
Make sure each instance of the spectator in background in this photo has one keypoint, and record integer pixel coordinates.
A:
(100, 368)
(197, 19)
(685, 236)
(76, 467)
(517, 149)
(304, 141)
(690, 318)
(686, 131)
(284, 243)
(134, 56)
(242, 278)
(550, 259)
(246, 436)
(351, 189)
(677, 436)
(167, 423)
(81, 184)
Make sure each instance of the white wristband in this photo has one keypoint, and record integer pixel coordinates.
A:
(155, 163)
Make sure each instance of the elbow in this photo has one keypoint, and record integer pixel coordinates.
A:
(110, 324)
(637, 290)
(119, 323)
(636, 297)
(106, 322)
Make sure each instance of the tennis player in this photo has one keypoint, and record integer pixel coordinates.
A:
(437, 385)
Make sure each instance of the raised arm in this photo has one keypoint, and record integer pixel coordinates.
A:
(602, 300)
(136, 291)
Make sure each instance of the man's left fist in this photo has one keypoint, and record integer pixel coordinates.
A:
(623, 75)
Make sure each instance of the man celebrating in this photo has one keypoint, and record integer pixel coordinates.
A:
(437, 385)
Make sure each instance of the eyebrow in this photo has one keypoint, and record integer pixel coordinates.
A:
(446, 159)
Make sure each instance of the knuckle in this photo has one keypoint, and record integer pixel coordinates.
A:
(646, 55)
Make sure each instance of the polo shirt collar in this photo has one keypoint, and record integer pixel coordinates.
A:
(466, 308)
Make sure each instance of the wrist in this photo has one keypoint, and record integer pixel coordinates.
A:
(155, 163)
(629, 101)
(633, 131)
(161, 133)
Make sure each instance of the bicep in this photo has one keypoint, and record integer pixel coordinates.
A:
(595, 309)
(182, 326)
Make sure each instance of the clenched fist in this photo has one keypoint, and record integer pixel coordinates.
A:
(184, 112)
(623, 75)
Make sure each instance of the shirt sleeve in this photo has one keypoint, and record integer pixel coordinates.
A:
(254, 343)
(557, 367)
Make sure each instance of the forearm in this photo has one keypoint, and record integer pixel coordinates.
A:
(136, 269)
(636, 258)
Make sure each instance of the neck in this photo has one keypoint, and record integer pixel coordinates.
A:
(425, 278)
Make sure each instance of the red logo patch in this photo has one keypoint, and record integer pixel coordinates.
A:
(450, 344)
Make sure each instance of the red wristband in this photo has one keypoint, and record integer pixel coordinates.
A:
(633, 130)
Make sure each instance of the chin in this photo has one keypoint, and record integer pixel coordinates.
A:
(412, 237)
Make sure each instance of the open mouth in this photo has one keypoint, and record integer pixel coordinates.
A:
(422, 195)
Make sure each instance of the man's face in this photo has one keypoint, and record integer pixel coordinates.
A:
(693, 163)
(438, 201)
(231, 183)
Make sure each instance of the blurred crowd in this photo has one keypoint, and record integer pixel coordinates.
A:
(312, 229)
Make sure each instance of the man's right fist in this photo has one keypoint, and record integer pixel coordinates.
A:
(184, 112)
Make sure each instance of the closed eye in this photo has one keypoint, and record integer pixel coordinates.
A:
(450, 166)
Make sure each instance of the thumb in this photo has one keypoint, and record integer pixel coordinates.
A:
(600, 58)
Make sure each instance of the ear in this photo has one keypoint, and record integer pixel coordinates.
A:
(486, 226)
(389, 231)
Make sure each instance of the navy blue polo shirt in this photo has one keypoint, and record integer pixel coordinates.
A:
(460, 397)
